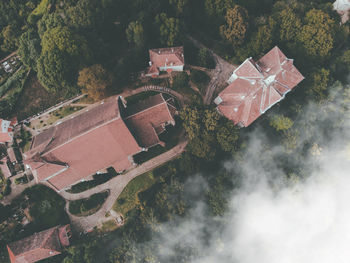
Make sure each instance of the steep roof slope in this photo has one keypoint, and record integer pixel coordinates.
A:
(39, 246)
(256, 87)
(147, 119)
(79, 147)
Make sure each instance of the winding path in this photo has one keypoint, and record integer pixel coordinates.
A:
(219, 75)
(115, 186)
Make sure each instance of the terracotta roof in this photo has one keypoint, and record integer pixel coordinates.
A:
(11, 154)
(161, 57)
(79, 147)
(4, 168)
(256, 87)
(147, 119)
(44, 244)
(5, 131)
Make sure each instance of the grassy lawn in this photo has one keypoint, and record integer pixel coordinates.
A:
(129, 199)
(109, 226)
(98, 179)
(54, 116)
(89, 206)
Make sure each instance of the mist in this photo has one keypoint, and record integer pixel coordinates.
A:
(276, 216)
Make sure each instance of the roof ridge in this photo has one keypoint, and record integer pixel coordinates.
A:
(163, 102)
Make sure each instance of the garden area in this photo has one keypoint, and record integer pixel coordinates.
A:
(97, 180)
(5, 186)
(89, 206)
(129, 198)
(200, 79)
(54, 116)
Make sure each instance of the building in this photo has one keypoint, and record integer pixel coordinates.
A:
(255, 87)
(342, 7)
(148, 119)
(96, 139)
(6, 130)
(42, 245)
(4, 166)
(165, 59)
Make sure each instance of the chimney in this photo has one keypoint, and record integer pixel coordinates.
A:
(172, 50)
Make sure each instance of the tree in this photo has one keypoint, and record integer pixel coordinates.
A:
(169, 29)
(181, 81)
(10, 36)
(317, 35)
(205, 59)
(281, 123)
(235, 29)
(319, 86)
(135, 34)
(85, 14)
(179, 5)
(262, 40)
(62, 54)
(95, 80)
(66, 41)
(227, 136)
(49, 21)
(191, 117)
(218, 7)
(29, 48)
(290, 25)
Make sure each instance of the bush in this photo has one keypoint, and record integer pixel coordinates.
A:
(180, 81)
(89, 206)
(199, 77)
(205, 59)
(97, 180)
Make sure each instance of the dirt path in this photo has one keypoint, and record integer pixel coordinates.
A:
(116, 186)
(219, 75)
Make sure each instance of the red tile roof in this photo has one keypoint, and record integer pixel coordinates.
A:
(79, 147)
(256, 87)
(44, 244)
(147, 119)
(162, 57)
(6, 128)
(4, 168)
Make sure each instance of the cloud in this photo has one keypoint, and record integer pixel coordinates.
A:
(273, 219)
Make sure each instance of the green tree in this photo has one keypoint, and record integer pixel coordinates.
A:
(95, 80)
(181, 81)
(179, 5)
(66, 41)
(10, 35)
(63, 53)
(227, 136)
(263, 39)
(85, 14)
(29, 48)
(281, 123)
(205, 59)
(49, 21)
(135, 34)
(290, 25)
(169, 29)
(192, 118)
(218, 8)
(317, 35)
(236, 25)
(319, 86)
